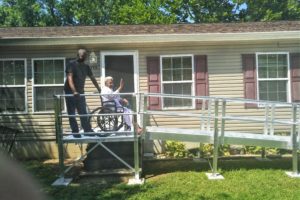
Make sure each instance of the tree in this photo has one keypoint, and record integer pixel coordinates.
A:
(269, 10)
(102, 12)
(87, 12)
(199, 11)
(143, 12)
(20, 13)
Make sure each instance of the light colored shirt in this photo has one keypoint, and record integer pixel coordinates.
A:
(110, 95)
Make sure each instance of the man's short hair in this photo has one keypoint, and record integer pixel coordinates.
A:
(108, 78)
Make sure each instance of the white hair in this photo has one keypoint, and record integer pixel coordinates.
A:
(109, 78)
(80, 51)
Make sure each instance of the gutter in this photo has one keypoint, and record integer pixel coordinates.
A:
(153, 38)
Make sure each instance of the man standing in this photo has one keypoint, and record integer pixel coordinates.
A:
(76, 73)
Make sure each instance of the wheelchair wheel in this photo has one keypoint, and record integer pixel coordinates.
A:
(109, 122)
(93, 119)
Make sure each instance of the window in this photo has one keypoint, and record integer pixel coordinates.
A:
(273, 76)
(12, 85)
(177, 78)
(48, 80)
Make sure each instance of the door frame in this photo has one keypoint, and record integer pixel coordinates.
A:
(133, 53)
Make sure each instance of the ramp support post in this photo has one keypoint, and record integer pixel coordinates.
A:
(214, 175)
(294, 173)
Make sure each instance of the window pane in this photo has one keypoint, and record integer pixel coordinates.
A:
(38, 66)
(19, 78)
(166, 63)
(49, 78)
(273, 90)
(177, 63)
(59, 77)
(167, 75)
(178, 88)
(187, 62)
(187, 74)
(263, 72)
(282, 86)
(282, 72)
(177, 75)
(1, 73)
(59, 65)
(12, 72)
(272, 72)
(263, 86)
(12, 99)
(168, 88)
(272, 86)
(44, 97)
(282, 96)
(282, 59)
(48, 66)
(38, 71)
(49, 71)
(263, 96)
(39, 78)
(262, 60)
(9, 66)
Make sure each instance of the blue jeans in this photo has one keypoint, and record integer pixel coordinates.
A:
(79, 104)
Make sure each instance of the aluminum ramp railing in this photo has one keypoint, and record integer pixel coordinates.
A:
(217, 114)
(63, 137)
(214, 117)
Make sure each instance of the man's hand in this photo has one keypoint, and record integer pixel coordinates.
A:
(122, 83)
(76, 94)
(124, 102)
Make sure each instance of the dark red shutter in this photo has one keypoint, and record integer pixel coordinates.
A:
(201, 78)
(153, 71)
(295, 76)
(249, 70)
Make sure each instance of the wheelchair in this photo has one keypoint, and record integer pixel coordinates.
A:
(108, 122)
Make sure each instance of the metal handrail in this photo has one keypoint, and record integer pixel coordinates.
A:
(271, 104)
(228, 99)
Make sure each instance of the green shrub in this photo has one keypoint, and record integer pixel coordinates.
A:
(176, 149)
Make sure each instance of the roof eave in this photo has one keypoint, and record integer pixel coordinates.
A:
(153, 38)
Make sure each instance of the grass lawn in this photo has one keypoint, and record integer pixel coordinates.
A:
(182, 179)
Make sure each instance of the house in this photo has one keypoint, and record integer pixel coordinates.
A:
(257, 60)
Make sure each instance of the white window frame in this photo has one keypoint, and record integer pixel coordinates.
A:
(166, 82)
(18, 86)
(45, 85)
(288, 79)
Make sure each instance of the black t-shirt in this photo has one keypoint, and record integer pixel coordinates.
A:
(79, 72)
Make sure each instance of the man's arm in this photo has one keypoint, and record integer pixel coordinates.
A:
(121, 86)
(95, 83)
(71, 83)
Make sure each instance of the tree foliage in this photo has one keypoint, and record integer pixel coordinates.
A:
(101, 12)
(269, 10)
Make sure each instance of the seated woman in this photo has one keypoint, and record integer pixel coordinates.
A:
(110, 95)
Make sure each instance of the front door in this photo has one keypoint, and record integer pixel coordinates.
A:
(120, 65)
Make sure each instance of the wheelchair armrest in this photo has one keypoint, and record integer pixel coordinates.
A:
(112, 106)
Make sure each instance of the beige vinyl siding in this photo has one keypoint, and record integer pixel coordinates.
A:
(224, 70)
(225, 80)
